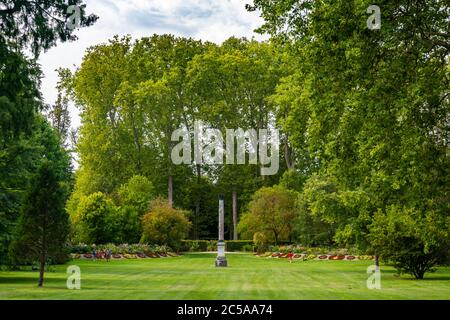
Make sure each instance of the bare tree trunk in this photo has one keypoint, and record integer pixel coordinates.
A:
(170, 191)
(235, 233)
(41, 272)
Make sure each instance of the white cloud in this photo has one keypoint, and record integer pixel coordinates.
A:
(212, 20)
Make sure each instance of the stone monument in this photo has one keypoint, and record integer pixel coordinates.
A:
(221, 260)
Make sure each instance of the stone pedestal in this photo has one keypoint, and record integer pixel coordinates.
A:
(221, 260)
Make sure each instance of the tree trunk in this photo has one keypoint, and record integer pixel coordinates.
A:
(235, 233)
(288, 156)
(170, 191)
(138, 150)
(41, 272)
(197, 214)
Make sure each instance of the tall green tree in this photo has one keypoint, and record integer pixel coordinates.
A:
(232, 83)
(35, 25)
(43, 225)
(19, 162)
(376, 103)
(18, 106)
(166, 96)
(127, 128)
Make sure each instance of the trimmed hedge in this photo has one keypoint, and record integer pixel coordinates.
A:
(238, 245)
(118, 249)
(194, 245)
(211, 245)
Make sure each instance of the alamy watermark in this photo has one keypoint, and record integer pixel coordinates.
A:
(374, 20)
(209, 147)
(74, 278)
(74, 15)
(374, 280)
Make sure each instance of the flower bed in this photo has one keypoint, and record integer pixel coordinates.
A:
(276, 255)
(305, 256)
(122, 251)
(337, 257)
(314, 253)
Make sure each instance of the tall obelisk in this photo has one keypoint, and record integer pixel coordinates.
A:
(221, 260)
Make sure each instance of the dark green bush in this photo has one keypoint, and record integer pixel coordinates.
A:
(237, 245)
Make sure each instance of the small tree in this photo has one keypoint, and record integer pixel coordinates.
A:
(164, 224)
(95, 219)
(413, 241)
(43, 225)
(271, 212)
(260, 241)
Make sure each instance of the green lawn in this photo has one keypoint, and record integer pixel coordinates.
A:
(193, 276)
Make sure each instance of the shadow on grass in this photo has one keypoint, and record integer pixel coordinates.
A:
(427, 278)
(18, 280)
(28, 280)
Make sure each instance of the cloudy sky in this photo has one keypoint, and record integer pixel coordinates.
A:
(212, 20)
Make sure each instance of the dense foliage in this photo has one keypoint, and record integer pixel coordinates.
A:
(371, 107)
(363, 115)
(43, 225)
(164, 224)
(28, 144)
(134, 95)
(40, 24)
(271, 212)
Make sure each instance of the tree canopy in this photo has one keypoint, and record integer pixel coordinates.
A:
(26, 139)
(371, 107)
(40, 24)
